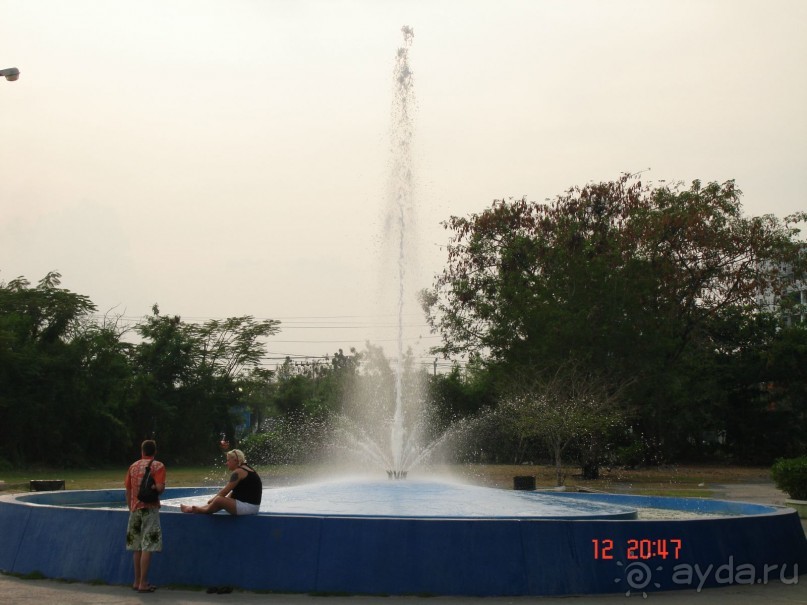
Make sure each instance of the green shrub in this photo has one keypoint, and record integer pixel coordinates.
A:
(265, 448)
(790, 475)
(285, 441)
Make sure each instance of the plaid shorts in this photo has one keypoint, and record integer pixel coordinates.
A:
(144, 532)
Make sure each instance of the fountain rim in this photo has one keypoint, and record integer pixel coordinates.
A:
(740, 509)
(113, 500)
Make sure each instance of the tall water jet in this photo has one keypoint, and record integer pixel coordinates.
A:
(388, 427)
(401, 197)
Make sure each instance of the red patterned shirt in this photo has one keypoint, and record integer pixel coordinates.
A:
(135, 475)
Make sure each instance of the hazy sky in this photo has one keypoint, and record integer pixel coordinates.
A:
(230, 157)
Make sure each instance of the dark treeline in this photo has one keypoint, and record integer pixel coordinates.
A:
(78, 391)
(618, 325)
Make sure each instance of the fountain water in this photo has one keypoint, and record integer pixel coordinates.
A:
(402, 210)
(412, 537)
(395, 446)
(402, 188)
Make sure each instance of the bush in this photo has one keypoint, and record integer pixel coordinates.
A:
(269, 448)
(286, 441)
(790, 475)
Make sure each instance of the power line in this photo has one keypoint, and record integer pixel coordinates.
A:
(323, 323)
(290, 323)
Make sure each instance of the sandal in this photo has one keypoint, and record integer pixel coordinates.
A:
(151, 588)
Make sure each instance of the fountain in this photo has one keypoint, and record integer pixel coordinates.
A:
(361, 536)
(358, 538)
(392, 442)
(402, 198)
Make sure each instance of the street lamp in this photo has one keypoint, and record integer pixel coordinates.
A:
(10, 74)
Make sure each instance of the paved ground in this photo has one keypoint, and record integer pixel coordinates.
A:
(761, 493)
(15, 590)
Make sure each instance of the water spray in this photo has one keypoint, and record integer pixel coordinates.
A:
(401, 139)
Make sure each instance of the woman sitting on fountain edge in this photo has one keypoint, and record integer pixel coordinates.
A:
(241, 496)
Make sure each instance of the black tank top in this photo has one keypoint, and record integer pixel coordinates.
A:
(250, 488)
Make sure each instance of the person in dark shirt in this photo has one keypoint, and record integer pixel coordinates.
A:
(241, 495)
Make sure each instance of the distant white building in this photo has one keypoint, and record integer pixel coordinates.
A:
(792, 303)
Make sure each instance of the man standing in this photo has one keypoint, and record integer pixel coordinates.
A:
(143, 534)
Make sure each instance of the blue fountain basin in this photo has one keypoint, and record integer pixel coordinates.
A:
(79, 535)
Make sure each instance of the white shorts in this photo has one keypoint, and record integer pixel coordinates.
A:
(245, 508)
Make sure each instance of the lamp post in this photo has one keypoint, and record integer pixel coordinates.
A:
(10, 74)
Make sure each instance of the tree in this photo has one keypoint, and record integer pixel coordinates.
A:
(165, 406)
(621, 278)
(565, 408)
(41, 371)
(232, 346)
(72, 389)
(188, 378)
(460, 394)
(776, 414)
(103, 388)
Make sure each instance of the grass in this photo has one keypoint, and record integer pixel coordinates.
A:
(674, 480)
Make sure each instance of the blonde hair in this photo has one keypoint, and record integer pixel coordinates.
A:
(238, 455)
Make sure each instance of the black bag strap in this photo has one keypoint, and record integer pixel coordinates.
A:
(147, 472)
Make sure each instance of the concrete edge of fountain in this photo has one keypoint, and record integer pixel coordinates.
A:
(113, 498)
(405, 556)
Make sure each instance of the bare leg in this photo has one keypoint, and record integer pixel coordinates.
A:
(136, 558)
(145, 561)
(216, 504)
